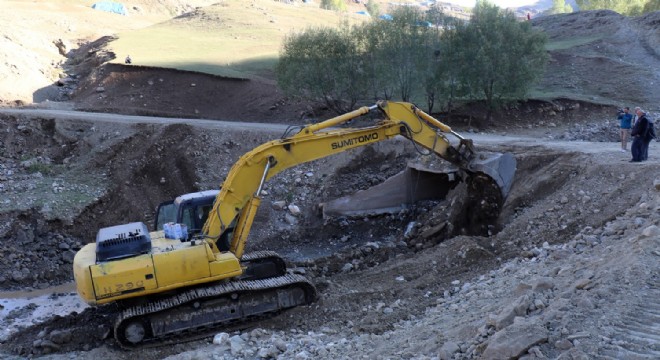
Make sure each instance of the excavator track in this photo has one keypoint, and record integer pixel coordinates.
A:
(262, 264)
(209, 307)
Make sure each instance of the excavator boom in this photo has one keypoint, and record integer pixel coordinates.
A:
(321, 140)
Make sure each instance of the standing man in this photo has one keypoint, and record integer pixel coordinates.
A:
(648, 136)
(639, 147)
(635, 117)
(625, 124)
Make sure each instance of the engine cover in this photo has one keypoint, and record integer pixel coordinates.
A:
(122, 241)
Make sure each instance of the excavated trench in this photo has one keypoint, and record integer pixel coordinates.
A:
(473, 233)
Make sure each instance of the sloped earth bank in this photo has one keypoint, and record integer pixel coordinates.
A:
(572, 273)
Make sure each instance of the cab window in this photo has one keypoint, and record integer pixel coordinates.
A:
(166, 213)
(188, 217)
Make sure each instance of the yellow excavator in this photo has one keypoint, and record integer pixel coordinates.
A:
(169, 283)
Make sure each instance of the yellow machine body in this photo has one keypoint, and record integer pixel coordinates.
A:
(170, 265)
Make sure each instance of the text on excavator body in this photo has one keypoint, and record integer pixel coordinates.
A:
(355, 141)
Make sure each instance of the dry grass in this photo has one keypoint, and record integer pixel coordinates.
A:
(572, 42)
(233, 38)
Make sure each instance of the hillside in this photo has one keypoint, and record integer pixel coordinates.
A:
(569, 270)
(38, 36)
(603, 57)
(244, 37)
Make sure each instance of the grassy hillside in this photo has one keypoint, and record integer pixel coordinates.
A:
(232, 38)
(595, 56)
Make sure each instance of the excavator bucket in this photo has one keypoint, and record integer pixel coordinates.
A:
(487, 172)
(415, 183)
(500, 167)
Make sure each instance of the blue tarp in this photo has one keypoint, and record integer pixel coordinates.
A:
(110, 6)
(363, 13)
(386, 17)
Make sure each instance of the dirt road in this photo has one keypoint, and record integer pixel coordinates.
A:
(68, 115)
(522, 138)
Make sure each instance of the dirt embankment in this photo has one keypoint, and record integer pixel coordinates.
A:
(603, 57)
(577, 234)
(38, 41)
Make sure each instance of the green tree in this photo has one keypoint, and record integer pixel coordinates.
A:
(429, 63)
(338, 5)
(373, 8)
(323, 64)
(404, 49)
(499, 57)
(625, 7)
(560, 7)
(651, 6)
(493, 57)
(447, 67)
(402, 56)
(441, 80)
(401, 51)
(372, 42)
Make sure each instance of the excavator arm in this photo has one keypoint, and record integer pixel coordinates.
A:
(239, 198)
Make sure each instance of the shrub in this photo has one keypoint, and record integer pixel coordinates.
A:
(337, 5)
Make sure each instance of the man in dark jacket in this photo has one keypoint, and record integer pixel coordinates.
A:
(647, 138)
(639, 146)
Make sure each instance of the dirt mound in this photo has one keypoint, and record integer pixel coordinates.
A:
(35, 252)
(138, 90)
(152, 165)
(74, 332)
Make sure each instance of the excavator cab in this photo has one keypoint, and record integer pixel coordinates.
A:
(190, 209)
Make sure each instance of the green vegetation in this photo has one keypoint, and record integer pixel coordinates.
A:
(44, 169)
(231, 38)
(373, 8)
(499, 57)
(560, 7)
(569, 43)
(625, 7)
(321, 63)
(651, 6)
(417, 55)
(338, 5)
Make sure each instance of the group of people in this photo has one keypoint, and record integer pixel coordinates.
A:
(639, 127)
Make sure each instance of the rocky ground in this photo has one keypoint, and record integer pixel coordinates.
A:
(568, 272)
(578, 234)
